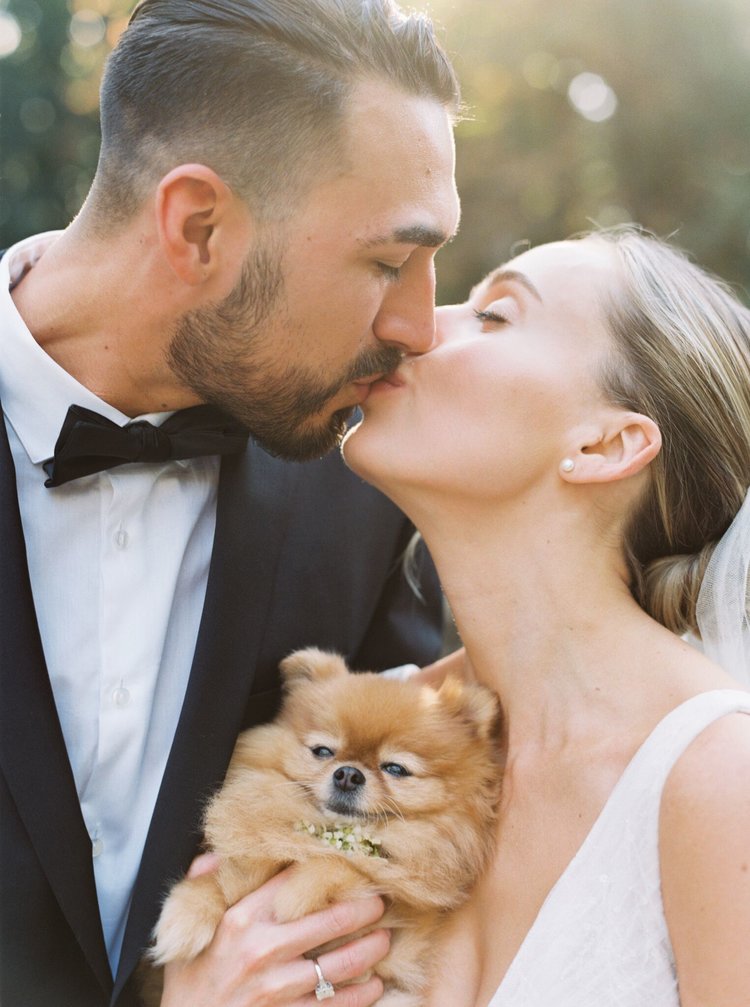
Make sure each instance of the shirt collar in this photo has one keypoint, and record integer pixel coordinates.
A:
(34, 390)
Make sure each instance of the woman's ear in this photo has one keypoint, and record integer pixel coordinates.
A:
(194, 210)
(628, 443)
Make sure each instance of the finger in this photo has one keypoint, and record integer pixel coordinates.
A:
(205, 863)
(330, 924)
(354, 959)
(350, 961)
(456, 664)
(261, 901)
(361, 995)
(312, 931)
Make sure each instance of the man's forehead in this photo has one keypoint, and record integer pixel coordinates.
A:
(399, 159)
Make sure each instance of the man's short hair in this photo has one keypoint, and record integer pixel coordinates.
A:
(255, 89)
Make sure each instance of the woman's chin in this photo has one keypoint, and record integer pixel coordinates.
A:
(365, 457)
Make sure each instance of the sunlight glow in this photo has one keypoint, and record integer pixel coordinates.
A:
(592, 97)
(10, 34)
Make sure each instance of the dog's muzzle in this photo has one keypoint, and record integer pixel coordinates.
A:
(347, 790)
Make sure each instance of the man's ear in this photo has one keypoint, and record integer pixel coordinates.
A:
(194, 206)
(624, 447)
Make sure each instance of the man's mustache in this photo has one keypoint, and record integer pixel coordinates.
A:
(370, 362)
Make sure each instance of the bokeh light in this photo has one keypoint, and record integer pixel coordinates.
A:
(577, 114)
(10, 34)
(592, 97)
(37, 115)
(87, 28)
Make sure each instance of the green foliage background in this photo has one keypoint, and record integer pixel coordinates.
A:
(674, 155)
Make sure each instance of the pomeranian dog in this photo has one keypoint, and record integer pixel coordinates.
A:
(366, 785)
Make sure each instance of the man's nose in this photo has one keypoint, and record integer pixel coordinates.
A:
(407, 315)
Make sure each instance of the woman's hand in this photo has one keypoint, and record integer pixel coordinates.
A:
(457, 664)
(253, 961)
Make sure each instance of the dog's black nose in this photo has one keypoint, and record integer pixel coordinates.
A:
(348, 778)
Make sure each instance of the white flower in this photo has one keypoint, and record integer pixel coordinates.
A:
(349, 839)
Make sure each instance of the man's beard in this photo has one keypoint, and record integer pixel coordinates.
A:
(211, 353)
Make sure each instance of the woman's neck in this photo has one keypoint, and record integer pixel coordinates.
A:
(546, 616)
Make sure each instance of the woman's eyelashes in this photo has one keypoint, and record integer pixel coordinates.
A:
(489, 315)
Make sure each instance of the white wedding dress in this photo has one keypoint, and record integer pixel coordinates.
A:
(600, 938)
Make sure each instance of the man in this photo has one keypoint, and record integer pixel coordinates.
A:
(257, 248)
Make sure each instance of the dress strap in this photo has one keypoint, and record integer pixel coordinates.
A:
(653, 762)
(600, 936)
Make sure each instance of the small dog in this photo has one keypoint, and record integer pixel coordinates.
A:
(366, 785)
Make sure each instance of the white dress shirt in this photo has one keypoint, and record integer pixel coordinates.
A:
(118, 563)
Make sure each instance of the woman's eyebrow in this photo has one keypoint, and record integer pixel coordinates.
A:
(503, 275)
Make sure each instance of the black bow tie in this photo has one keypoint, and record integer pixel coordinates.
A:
(90, 443)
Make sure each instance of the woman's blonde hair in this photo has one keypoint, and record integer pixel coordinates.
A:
(683, 359)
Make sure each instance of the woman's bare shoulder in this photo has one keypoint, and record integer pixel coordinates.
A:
(704, 845)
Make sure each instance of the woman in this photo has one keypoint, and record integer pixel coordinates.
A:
(572, 449)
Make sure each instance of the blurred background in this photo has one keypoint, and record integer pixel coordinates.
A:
(579, 113)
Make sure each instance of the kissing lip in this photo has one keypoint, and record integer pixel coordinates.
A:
(363, 386)
(371, 379)
(392, 378)
(384, 380)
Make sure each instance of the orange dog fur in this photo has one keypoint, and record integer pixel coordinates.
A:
(414, 767)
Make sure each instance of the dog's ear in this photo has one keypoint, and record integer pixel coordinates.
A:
(474, 704)
(311, 665)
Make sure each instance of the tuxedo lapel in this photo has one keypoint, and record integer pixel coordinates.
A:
(250, 527)
(32, 749)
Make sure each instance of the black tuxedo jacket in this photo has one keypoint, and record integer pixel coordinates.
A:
(303, 554)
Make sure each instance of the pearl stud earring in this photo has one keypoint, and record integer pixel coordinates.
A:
(567, 465)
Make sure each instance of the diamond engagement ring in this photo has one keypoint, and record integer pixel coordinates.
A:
(324, 990)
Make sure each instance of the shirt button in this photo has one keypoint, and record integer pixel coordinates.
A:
(97, 847)
(121, 696)
(121, 538)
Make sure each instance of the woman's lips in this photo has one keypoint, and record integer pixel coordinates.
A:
(376, 384)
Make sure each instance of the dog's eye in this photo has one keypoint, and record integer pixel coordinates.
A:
(395, 769)
(321, 752)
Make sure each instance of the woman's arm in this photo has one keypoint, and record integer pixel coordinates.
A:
(705, 863)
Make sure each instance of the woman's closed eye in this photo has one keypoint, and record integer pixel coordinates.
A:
(491, 316)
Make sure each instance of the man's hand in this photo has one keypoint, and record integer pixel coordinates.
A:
(253, 961)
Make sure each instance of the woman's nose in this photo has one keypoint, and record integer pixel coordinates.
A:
(446, 318)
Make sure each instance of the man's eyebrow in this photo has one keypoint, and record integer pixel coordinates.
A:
(427, 237)
(503, 275)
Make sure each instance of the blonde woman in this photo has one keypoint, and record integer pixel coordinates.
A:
(573, 448)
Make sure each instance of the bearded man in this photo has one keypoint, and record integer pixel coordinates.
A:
(256, 250)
